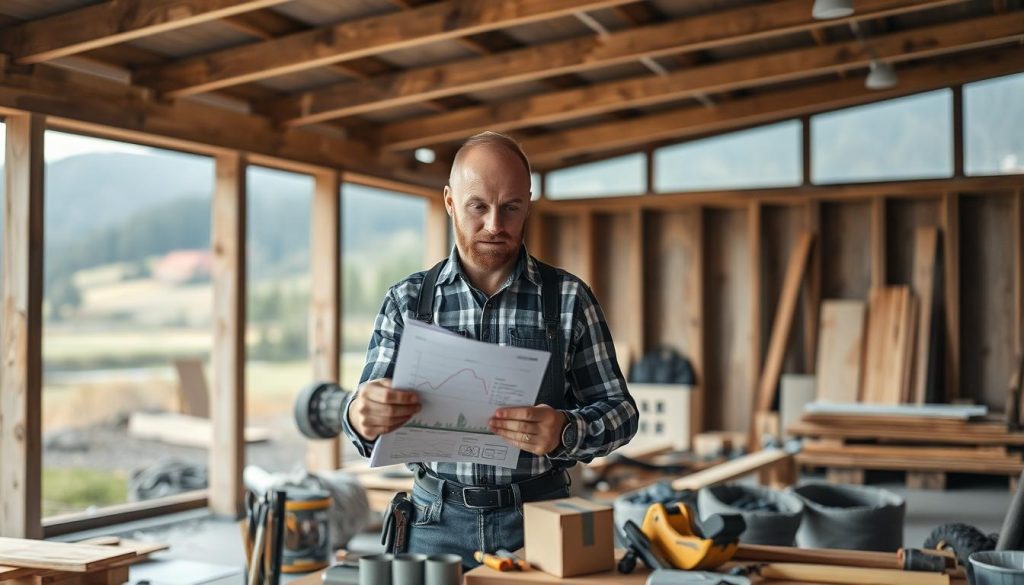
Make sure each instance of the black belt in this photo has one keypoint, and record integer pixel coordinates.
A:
(480, 497)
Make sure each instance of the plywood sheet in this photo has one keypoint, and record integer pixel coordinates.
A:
(840, 350)
(59, 556)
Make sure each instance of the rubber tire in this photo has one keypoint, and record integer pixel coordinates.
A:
(964, 539)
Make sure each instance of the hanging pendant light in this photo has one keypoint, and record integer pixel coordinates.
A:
(881, 76)
(827, 9)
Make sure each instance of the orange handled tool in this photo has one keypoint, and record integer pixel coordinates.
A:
(496, 563)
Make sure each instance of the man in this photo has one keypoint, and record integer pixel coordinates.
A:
(490, 289)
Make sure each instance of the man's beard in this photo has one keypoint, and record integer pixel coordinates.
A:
(489, 257)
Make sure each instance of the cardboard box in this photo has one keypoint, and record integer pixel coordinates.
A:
(569, 537)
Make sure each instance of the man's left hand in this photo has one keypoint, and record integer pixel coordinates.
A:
(536, 429)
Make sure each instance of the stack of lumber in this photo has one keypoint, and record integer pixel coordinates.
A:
(925, 447)
(98, 562)
(800, 565)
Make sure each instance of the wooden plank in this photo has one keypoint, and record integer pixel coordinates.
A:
(756, 279)
(986, 293)
(616, 275)
(840, 353)
(813, 280)
(922, 453)
(80, 102)
(111, 23)
(878, 271)
(836, 557)
(891, 316)
(950, 218)
(548, 150)
(806, 429)
(59, 556)
(325, 304)
(21, 375)
(849, 575)
(1018, 270)
(227, 407)
(635, 276)
(730, 374)
(349, 40)
(560, 106)
(731, 470)
(193, 391)
(782, 327)
(926, 244)
(883, 462)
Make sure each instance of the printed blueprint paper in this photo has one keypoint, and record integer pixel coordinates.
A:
(461, 382)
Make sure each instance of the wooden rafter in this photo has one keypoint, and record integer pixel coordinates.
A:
(110, 23)
(547, 151)
(744, 73)
(82, 102)
(351, 40)
(579, 54)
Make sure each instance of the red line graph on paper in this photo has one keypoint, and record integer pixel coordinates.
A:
(438, 387)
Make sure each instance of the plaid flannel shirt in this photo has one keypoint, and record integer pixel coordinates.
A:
(604, 413)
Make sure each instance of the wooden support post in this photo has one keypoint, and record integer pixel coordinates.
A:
(636, 276)
(21, 375)
(227, 402)
(435, 233)
(805, 128)
(325, 303)
(878, 268)
(782, 326)
(958, 131)
(754, 229)
(588, 259)
(1018, 270)
(536, 236)
(812, 285)
(694, 286)
(950, 220)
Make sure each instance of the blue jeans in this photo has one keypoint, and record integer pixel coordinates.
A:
(445, 526)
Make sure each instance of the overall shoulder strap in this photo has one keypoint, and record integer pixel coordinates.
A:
(425, 300)
(550, 295)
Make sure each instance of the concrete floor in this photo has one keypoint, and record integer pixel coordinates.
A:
(198, 537)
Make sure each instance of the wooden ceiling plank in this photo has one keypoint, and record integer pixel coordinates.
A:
(547, 151)
(573, 55)
(110, 23)
(350, 40)
(577, 103)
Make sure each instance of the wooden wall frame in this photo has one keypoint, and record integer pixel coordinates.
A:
(21, 379)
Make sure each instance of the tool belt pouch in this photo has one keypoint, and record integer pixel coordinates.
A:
(395, 532)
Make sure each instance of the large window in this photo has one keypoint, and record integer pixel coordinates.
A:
(624, 175)
(278, 274)
(994, 126)
(382, 243)
(769, 156)
(127, 301)
(905, 138)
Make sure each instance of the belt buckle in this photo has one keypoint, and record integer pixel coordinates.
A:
(496, 500)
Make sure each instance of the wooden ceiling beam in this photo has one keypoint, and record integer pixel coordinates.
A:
(110, 23)
(585, 53)
(351, 40)
(550, 150)
(561, 106)
(82, 102)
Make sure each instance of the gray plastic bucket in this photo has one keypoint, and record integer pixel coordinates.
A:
(773, 527)
(850, 517)
(1004, 567)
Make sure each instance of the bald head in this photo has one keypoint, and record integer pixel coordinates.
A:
(496, 145)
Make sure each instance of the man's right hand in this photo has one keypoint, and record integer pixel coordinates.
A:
(378, 408)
